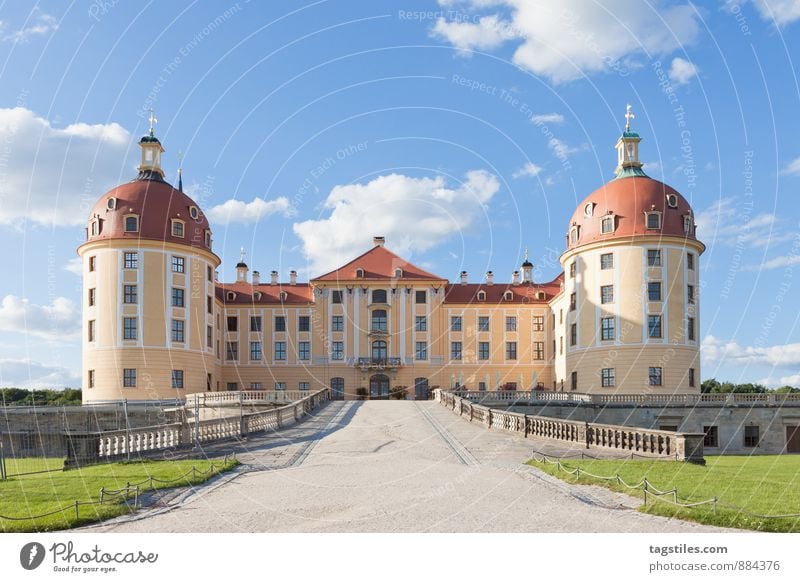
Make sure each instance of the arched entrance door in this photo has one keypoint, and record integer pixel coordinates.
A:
(379, 387)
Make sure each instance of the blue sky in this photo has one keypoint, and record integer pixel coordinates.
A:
(463, 131)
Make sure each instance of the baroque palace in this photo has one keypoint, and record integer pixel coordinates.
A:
(623, 317)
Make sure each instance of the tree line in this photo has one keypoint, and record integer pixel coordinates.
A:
(44, 397)
(714, 386)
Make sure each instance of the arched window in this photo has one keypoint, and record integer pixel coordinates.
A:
(607, 224)
(379, 320)
(481, 295)
(379, 350)
(379, 296)
(398, 273)
(132, 223)
(574, 234)
(359, 273)
(337, 388)
(508, 296)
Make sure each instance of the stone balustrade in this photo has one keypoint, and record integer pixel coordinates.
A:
(645, 442)
(213, 399)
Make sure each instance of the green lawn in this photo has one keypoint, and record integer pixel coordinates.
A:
(764, 485)
(32, 465)
(32, 495)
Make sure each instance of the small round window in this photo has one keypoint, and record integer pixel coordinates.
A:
(111, 203)
(588, 209)
(672, 200)
(193, 212)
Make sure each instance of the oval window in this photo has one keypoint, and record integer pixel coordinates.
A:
(588, 209)
(672, 200)
(193, 212)
(111, 203)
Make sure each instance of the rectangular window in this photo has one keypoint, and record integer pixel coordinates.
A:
(482, 386)
(421, 352)
(304, 350)
(92, 263)
(607, 225)
(654, 290)
(690, 294)
(209, 336)
(337, 350)
(538, 350)
(607, 377)
(280, 350)
(421, 323)
(511, 350)
(177, 330)
(255, 323)
(607, 328)
(751, 436)
(654, 375)
(572, 270)
(573, 334)
(607, 261)
(209, 274)
(607, 294)
(255, 351)
(455, 350)
(177, 297)
(232, 386)
(91, 379)
(129, 328)
(91, 329)
(483, 323)
(92, 296)
(455, 323)
(654, 326)
(653, 257)
(304, 386)
(483, 350)
(653, 220)
(177, 378)
(129, 378)
(304, 323)
(691, 377)
(574, 381)
(280, 323)
(690, 261)
(210, 304)
(178, 264)
(421, 297)
(561, 345)
(177, 229)
(572, 301)
(232, 351)
(712, 436)
(538, 323)
(511, 323)
(131, 261)
(337, 323)
(280, 385)
(232, 323)
(256, 386)
(336, 296)
(129, 294)
(690, 328)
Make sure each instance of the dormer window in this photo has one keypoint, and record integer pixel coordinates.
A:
(574, 234)
(588, 210)
(508, 296)
(177, 228)
(398, 273)
(194, 212)
(257, 295)
(540, 295)
(208, 239)
(672, 200)
(131, 223)
(95, 227)
(111, 203)
(607, 224)
(687, 223)
(653, 220)
(359, 273)
(481, 295)
(231, 296)
(283, 296)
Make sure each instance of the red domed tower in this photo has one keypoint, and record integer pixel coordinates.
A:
(148, 301)
(630, 308)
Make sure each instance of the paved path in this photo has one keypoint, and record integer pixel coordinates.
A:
(391, 466)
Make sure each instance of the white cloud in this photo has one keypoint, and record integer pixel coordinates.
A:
(38, 24)
(682, 71)
(791, 380)
(74, 266)
(247, 212)
(414, 214)
(717, 350)
(53, 176)
(551, 118)
(58, 321)
(30, 374)
(793, 169)
(529, 169)
(776, 263)
(560, 149)
(566, 39)
(723, 223)
(781, 12)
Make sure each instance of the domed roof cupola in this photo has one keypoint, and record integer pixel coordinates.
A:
(527, 269)
(628, 164)
(150, 167)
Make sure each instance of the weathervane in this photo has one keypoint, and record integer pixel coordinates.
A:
(526, 254)
(241, 255)
(153, 121)
(628, 116)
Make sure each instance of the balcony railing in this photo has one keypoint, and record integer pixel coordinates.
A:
(379, 363)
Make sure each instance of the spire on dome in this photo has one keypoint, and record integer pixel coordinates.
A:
(150, 167)
(180, 171)
(628, 164)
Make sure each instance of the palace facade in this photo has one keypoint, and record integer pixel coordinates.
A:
(623, 317)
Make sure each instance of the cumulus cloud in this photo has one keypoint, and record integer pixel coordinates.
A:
(60, 320)
(20, 373)
(717, 350)
(776, 263)
(561, 150)
(781, 12)
(682, 71)
(249, 212)
(53, 176)
(547, 118)
(414, 214)
(74, 266)
(793, 168)
(723, 223)
(38, 24)
(529, 169)
(566, 40)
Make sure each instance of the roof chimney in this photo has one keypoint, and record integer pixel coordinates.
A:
(489, 278)
(256, 278)
(378, 241)
(515, 278)
(463, 277)
(273, 278)
(292, 277)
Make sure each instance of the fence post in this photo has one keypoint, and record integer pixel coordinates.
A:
(2, 460)
(715, 504)
(77, 515)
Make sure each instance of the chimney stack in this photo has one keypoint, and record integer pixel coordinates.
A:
(292, 277)
(256, 278)
(273, 278)
(489, 278)
(378, 241)
(463, 277)
(515, 278)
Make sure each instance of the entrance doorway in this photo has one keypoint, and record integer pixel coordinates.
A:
(793, 439)
(379, 387)
(421, 391)
(337, 388)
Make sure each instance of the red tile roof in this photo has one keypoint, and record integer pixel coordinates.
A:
(378, 263)
(300, 294)
(520, 293)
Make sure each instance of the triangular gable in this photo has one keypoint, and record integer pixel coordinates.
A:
(378, 263)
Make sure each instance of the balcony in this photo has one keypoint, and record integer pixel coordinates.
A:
(378, 363)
